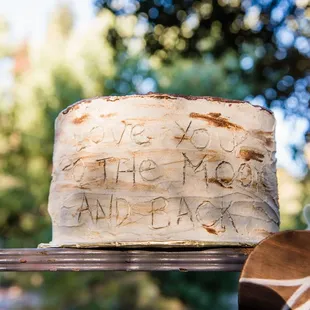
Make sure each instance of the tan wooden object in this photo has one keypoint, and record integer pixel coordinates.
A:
(163, 170)
(276, 274)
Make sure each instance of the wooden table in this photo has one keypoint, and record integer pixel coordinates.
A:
(65, 259)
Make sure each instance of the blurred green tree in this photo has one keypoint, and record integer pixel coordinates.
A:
(268, 39)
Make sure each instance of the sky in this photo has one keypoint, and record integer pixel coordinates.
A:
(28, 20)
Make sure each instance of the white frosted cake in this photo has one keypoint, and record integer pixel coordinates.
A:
(163, 170)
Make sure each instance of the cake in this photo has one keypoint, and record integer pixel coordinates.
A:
(163, 170)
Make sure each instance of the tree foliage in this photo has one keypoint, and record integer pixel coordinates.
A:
(268, 40)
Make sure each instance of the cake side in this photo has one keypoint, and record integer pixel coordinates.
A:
(163, 170)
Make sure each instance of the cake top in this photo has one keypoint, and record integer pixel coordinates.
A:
(163, 96)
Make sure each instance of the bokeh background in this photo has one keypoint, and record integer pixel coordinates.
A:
(53, 53)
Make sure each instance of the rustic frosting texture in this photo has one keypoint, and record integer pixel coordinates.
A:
(163, 170)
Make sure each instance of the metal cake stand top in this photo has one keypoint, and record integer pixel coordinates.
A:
(124, 259)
